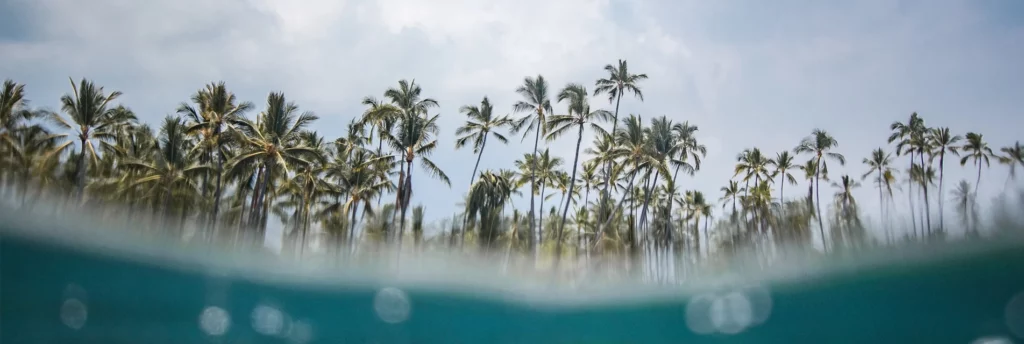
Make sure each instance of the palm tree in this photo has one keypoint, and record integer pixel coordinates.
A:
(976, 149)
(879, 163)
(752, 164)
(415, 139)
(925, 176)
(942, 142)
(1014, 156)
(967, 211)
(481, 123)
(13, 113)
(618, 82)
(381, 117)
(535, 100)
(216, 110)
(846, 203)
(820, 144)
(730, 193)
(781, 165)
(579, 116)
(272, 146)
(908, 134)
(171, 172)
(87, 110)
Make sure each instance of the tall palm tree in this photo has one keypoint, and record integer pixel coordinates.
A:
(88, 113)
(820, 144)
(481, 123)
(487, 198)
(216, 110)
(13, 113)
(780, 166)
(535, 101)
(753, 165)
(579, 116)
(942, 142)
(618, 82)
(879, 163)
(908, 135)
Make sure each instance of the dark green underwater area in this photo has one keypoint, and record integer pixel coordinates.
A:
(74, 290)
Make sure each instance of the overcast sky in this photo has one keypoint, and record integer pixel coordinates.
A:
(748, 73)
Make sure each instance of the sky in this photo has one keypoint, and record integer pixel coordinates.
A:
(748, 73)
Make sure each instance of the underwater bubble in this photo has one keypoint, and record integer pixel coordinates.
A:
(215, 321)
(300, 332)
(698, 314)
(73, 313)
(1014, 315)
(731, 313)
(392, 305)
(267, 320)
(992, 340)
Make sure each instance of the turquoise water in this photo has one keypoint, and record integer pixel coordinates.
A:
(54, 291)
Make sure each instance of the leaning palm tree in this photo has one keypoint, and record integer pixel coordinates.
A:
(820, 144)
(535, 101)
(908, 134)
(481, 124)
(942, 142)
(618, 82)
(580, 115)
(216, 110)
(780, 166)
(88, 113)
(879, 163)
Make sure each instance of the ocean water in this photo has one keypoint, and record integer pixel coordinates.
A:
(76, 285)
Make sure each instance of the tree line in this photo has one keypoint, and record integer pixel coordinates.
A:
(213, 167)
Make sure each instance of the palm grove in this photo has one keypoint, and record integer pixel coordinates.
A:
(223, 166)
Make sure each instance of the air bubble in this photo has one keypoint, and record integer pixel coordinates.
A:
(731, 313)
(392, 305)
(214, 321)
(73, 313)
(267, 320)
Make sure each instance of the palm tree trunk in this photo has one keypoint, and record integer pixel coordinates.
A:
(478, 156)
(217, 193)
(533, 188)
(974, 198)
(611, 215)
(565, 212)
(389, 233)
(881, 206)
(405, 204)
(910, 196)
(817, 195)
(647, 197)
(942, 202)
(605, 196)
(352, 227)
(927, 203)
(80, 173)
(707, 239)
(540, 220)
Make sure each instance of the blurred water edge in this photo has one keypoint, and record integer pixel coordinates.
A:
(83, 276)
